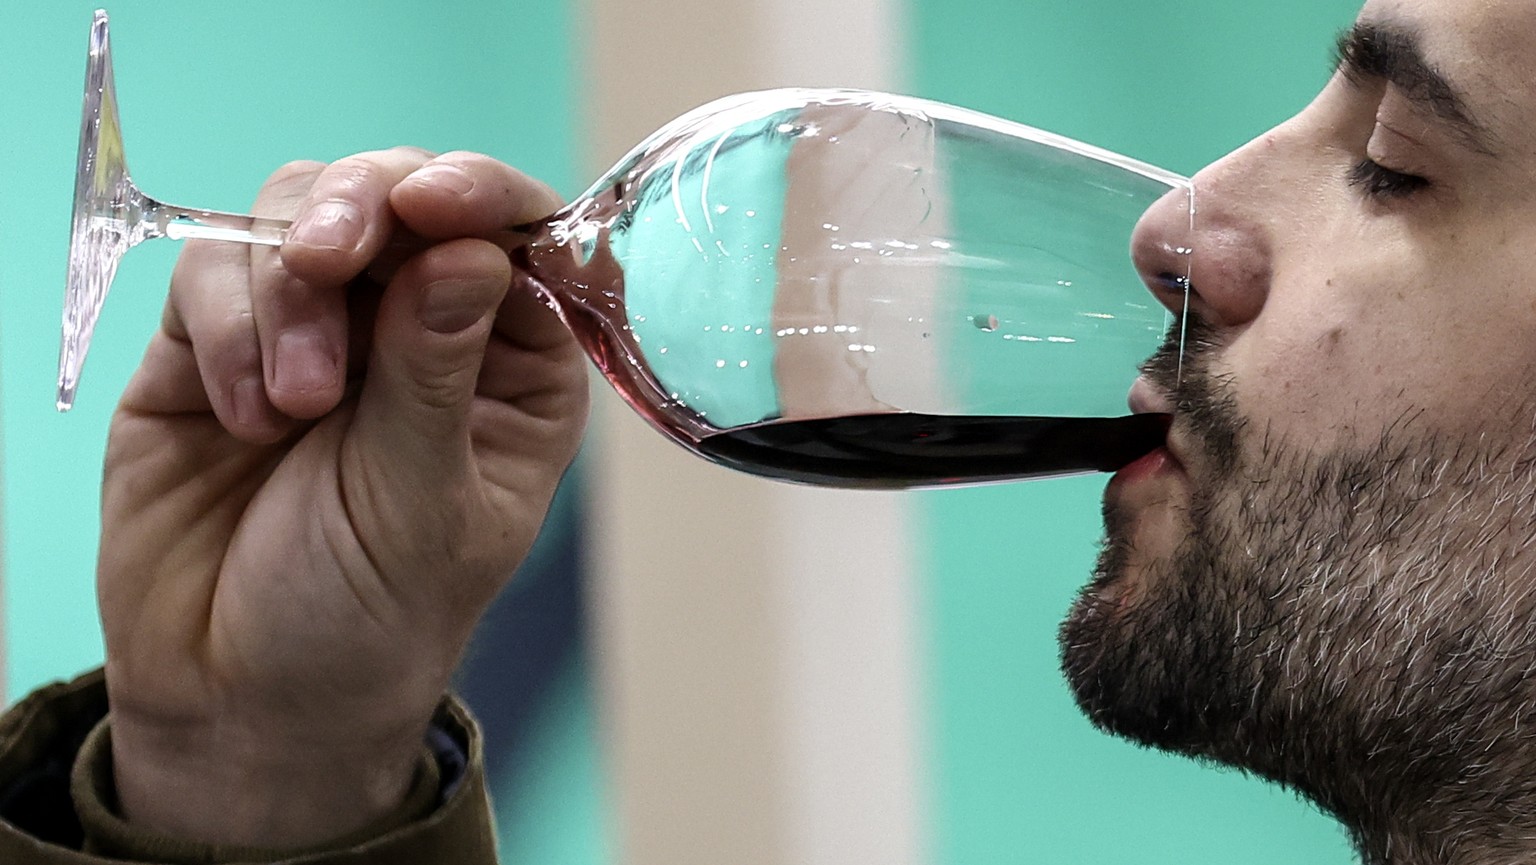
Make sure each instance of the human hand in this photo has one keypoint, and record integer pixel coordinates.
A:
(328, 463)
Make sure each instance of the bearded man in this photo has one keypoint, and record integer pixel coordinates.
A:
(1325, 577)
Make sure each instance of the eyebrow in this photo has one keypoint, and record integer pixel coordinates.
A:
(1379, 51)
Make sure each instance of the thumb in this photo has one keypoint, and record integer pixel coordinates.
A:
(429, 341)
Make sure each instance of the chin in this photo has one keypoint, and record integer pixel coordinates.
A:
(1145, 527)
(1139, 647)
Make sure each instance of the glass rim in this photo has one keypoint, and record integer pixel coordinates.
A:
(728, 112)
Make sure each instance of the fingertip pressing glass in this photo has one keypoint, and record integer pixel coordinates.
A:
(826, 286)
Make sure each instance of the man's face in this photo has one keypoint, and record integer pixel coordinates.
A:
(1328, 578)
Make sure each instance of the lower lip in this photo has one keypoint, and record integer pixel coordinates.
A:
(1154, 463)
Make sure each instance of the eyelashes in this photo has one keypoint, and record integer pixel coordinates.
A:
(1379, 183)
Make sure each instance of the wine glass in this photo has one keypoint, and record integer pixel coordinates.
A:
(836, 287)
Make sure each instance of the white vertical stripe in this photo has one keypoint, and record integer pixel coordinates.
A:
(852, 696)
(835, 43)
(756, 642)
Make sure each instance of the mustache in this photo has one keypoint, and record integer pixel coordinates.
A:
(1185, 353)
(1203, 400)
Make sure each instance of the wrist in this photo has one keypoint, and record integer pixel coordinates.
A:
(231, 785)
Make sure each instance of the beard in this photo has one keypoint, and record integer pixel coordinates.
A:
(1358, 625)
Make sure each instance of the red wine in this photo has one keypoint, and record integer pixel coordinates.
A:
(890, 450)
(904, 450)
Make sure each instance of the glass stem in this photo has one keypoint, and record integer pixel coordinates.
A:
(187, 223)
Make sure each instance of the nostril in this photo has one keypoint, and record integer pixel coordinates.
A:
(1171, 289)
(1175, 282)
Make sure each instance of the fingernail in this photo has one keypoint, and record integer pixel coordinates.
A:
(333, 224)
(249, 399)
(452, 305)
(446, 177)
(303, 361)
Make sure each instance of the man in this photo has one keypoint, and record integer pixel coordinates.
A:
(1324, 578)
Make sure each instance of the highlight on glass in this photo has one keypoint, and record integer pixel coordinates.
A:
(836, 287)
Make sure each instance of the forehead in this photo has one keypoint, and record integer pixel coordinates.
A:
(1486, 48)
(1475, 30)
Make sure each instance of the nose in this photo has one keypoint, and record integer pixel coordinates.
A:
(1208, 245)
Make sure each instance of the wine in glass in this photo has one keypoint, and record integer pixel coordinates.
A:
(837, 287)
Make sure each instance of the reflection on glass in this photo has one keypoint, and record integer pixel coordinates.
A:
(827, 286)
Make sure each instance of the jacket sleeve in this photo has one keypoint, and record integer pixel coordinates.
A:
(57, 803)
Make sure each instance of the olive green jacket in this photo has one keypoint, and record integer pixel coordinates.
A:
(57, 804)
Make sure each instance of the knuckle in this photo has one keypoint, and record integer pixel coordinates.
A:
(299, 171)
(286, 187)
(348, 175)
(373, 172)
(442, 382)
(411, 150)
(466, 158)
(438, 391)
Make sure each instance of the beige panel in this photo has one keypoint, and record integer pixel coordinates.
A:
(849, 655)
(754, 640)
(682, 607)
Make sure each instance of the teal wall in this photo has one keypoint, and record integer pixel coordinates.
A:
(1018, 775)
(215, 96)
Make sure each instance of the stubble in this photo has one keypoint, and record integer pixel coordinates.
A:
(1358, 625)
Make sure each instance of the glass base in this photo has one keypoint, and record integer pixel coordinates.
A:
(108, 213)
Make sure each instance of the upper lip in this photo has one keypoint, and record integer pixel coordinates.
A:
(1146, 398)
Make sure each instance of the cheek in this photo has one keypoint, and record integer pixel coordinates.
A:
(1345, 362)
(1289, 368)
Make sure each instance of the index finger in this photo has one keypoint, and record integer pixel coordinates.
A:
(463, 194)
(346, 219)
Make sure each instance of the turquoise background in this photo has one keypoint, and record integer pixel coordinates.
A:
(1049, 230)
(214, 97)
(1016, 774)
(711, 350)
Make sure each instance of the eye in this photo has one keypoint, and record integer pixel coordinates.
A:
(1383, 184)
